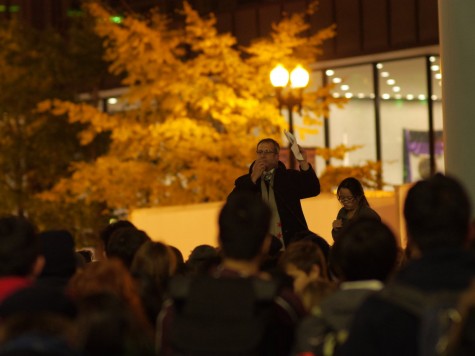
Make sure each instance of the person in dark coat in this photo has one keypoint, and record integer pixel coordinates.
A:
(437, 213)
(217, 313)
(280, 188)
(363, 258)
(350, 194)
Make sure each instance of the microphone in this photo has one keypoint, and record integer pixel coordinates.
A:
(267, 176)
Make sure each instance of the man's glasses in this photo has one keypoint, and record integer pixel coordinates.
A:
(266, 152)
(348, 199)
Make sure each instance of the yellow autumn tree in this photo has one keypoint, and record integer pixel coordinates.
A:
(195, 107)
(368, 173)
(37, 148)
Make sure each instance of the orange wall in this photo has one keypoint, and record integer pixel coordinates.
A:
(190, 225)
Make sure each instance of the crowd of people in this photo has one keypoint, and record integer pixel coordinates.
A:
(269, 287)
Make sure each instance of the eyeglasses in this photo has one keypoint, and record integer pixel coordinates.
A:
(348, 199)
(260, 152)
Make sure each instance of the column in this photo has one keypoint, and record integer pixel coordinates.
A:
(457, 48)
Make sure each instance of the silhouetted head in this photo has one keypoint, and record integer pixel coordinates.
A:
(351, 194)
(307, 235)
(366, 249)
(57, 247)
(124, 243)
(243, 225)
(305, 262)
(437, 212)
(19, 246)
(107, 232)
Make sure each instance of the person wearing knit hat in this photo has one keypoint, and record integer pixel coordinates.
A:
(57, 247)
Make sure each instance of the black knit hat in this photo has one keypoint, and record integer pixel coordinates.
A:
(57, 246)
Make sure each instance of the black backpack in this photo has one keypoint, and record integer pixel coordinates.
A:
(436, 311)
(222, 316)
(317, 336)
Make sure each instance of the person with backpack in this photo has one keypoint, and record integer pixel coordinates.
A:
(398, 320)
(362, 259)
(235, 309)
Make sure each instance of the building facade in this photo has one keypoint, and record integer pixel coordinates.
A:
(384, 59)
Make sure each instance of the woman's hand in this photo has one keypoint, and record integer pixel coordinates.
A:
(337, 224)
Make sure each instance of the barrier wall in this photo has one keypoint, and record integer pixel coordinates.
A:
(187, 226)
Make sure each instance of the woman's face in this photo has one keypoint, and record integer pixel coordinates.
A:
(347, 199)
(301, 278)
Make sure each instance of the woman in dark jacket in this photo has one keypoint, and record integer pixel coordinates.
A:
(350, 194)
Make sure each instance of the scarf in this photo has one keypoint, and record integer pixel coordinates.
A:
(267, 189)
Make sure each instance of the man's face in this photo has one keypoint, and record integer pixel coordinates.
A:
(267, 153)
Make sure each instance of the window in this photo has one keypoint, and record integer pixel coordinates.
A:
(405, 119)
(308, 134)
(355, 123)
(404, 113)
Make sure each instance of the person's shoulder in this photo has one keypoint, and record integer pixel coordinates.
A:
(244, 182)
(369, 213)
(289, 304)
(346, 297)
(392, 303)
(374, 302)
(281, 168)
(244, 176)
(341, 213)
(38, 298)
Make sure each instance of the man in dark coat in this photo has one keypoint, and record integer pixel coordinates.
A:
(235, 309)
(281, 188)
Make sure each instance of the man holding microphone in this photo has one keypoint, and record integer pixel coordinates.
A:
(281, 188)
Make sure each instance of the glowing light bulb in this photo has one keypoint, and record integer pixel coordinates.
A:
(279, 76)
(299, 77)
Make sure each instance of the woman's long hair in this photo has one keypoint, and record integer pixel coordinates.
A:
(356, 189)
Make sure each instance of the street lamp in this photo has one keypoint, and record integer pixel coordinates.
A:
(289, 93)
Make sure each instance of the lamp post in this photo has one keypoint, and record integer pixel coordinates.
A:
(289, 93)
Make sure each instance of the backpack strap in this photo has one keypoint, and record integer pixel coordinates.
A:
(333, 340)
(409, 298)
(416, 301)
(264, 290)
